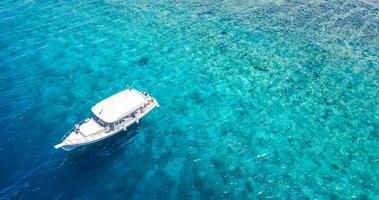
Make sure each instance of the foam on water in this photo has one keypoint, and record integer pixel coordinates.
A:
(259, 99)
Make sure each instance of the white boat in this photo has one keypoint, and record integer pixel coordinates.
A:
(110, 116)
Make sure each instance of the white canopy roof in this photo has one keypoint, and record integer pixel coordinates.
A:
(119, 105)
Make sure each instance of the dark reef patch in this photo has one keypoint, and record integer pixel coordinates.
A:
(143, 61)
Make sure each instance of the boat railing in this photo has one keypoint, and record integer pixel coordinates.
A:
(71, 130)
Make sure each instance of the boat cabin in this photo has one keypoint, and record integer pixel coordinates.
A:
(115, 109)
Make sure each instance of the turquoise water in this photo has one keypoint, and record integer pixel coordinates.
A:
(259, 99)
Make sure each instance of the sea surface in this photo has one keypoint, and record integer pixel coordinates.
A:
(265, 99)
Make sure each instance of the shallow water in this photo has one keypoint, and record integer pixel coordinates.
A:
(259, 100)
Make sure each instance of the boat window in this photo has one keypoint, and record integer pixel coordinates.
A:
(99, 121)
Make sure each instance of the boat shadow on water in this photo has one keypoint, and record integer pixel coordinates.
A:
(79, 168)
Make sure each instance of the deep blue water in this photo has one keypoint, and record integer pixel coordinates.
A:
(259, 99)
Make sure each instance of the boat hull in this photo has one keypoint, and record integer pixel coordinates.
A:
(74, 146)
(69, 148)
